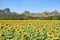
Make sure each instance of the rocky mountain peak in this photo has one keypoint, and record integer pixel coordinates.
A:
(7, 10)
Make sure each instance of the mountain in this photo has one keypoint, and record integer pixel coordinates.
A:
(44, 14)
(6, 14)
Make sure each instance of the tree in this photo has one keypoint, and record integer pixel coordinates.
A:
(55, 17)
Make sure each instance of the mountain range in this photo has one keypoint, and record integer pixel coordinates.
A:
(6, 14)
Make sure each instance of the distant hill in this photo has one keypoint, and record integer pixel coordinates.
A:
(6, 14)
(44, 14)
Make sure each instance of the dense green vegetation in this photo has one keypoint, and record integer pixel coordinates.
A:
(26, 15)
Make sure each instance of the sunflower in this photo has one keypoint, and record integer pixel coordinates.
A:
(37, 30)
(7, 24)
(55, 36)
(1, 27)
(49, 33)
(50, 28)
(9, 30)
(31, 29)
(17, 29)
(57, 28)
(19, 32)
(43, 29)
(24, 35)
(2, 35)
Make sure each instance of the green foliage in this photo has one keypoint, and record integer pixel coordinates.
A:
(55, 18)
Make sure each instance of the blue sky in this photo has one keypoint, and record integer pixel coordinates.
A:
(30, 5)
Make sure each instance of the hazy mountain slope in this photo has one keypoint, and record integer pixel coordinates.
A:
(7, 14)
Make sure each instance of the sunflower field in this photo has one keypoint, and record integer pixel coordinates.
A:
(29, 29)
